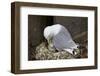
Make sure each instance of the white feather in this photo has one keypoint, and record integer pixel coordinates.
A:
(61, 38)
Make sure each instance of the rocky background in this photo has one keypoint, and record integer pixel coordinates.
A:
(37, 46)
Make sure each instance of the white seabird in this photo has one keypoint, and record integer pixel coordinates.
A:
(59, 37)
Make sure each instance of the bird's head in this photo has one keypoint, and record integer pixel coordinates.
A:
(48, 33)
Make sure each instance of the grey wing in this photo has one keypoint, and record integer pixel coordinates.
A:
(63, 40)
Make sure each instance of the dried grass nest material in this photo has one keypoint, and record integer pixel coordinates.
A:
(43, 53)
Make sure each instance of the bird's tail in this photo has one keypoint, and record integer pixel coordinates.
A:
(69, 50)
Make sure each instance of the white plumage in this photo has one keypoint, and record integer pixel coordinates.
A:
(59, 37)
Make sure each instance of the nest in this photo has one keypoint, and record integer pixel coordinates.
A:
(43, 53)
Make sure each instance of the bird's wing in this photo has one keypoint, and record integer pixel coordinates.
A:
(63, 40)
